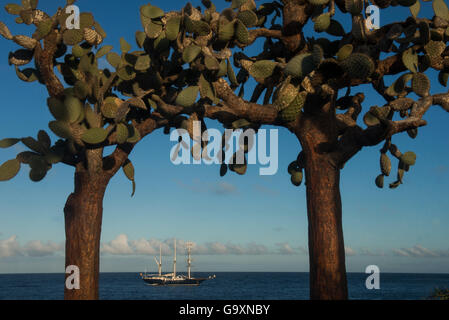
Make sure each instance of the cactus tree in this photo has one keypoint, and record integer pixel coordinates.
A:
(93, 108)
(184, 73)
(304, 84)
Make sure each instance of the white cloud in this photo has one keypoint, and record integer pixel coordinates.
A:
(285, 248)
(38, 249)
(421, 252)
(119, 245)
(10, 247)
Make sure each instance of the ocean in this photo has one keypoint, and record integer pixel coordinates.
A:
(226, 286)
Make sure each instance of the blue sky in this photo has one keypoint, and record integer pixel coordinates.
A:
(249, 223)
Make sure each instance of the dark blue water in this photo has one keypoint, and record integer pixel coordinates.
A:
(232, 285)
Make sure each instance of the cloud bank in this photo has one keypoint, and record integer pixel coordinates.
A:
(10, 247)
(123, 246)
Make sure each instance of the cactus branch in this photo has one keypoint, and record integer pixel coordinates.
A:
(44, 61)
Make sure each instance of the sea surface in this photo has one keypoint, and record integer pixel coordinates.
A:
(226, 286)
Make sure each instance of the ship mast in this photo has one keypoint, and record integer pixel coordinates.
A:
(159, 263)
(174, 262)
(189, 260)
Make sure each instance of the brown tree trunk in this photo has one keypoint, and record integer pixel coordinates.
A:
(324, 211)
(83, 216)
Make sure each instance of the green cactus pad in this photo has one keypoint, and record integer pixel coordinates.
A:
(26, 42)
(211, 63)
(412, 133)
(248, 17)
(61, 129)
(420, 84)
(290, 113)
(109, 110)
(206, 89)
(9, 142)
(73, 108)
(296, 178)
(226, 31)
(231, 73)
(300, 66)
(358, 65)
(72, 37)
(56, 108)
(370, 120)
(153, 30)
(187, 97)
(190, 53)
(44, 28)
(134, 134)
(103, 51)
(408, 158)
(285, 96)
(126, 73)
(344, 52)
(21, 57)
(114, 59)
(241, 32)
(199, 27)
(322, 22)
(380, 181)
(4, 31)
(54, 157)
(410, 60)
(95, 135)
(122, 133)
(44, 139)
(443, 78)
(128, 170)
(441, 9)
(13, 8)
(34, 145)
(262, 69)
(140, 38)
(9, 169)
(435, 48)
(318, 2)
(172, 28)
(143, 63)
(293, 167)
(151, 12)
(385, 164)
(37, 174)
(124, 45)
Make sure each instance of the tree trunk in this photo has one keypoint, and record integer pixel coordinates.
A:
(83, 216)
(324, 211)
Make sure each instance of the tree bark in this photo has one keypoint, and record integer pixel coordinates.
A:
(324, 211)
(83, 216)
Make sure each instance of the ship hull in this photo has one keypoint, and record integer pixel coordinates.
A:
(171, 282)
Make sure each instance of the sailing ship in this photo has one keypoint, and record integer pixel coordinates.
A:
(172, 279)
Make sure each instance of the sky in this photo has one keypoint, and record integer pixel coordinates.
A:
(238, 223)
